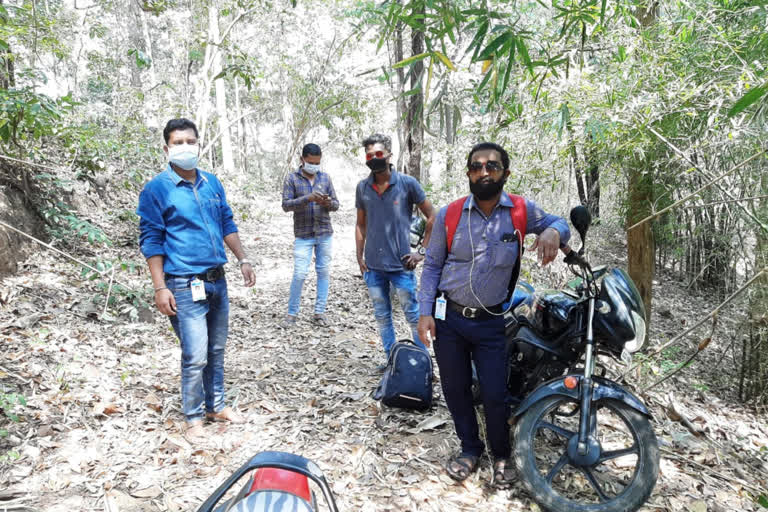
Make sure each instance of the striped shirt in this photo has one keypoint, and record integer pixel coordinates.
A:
(310, 219)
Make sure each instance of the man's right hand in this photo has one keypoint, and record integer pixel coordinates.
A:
(427, 331)
(363, 266)
(315, 196)
(165, 302)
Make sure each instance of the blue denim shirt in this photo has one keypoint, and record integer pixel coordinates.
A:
(183, 222)
(388, 219)
(494, 260)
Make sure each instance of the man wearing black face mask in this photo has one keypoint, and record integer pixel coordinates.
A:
(384, 202)
(471, 260)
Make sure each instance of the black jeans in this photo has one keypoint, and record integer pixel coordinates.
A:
(459, 342)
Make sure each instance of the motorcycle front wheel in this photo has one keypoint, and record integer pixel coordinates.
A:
(619, 475)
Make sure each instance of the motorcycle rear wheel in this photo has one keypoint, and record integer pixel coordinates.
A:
(621, 479)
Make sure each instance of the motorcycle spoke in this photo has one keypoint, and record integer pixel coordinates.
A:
(557, 430)
(561, 462)
(615, 454)
(595, 484)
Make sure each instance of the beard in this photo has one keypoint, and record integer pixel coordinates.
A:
(486, 189)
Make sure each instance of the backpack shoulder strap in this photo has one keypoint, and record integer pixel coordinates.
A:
(452, 217)
(519, 220)
(519, 215)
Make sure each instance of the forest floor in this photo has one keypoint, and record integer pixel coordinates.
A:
(102, 428)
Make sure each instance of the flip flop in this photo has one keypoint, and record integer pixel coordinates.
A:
(460, 466)
(503, 473)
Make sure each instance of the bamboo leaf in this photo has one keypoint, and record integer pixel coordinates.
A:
(748, 99)
(486, 65)
(411, 60)
(494, 45)
(523, 51)
(445, 60)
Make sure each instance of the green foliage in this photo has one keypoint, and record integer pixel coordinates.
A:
(25, 114)
(8, 404)
(141, 59)
(748, 99)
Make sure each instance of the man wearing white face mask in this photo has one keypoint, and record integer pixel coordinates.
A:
(308, 193)
(185, 222)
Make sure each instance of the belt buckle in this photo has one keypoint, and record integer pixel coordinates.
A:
(469, 312)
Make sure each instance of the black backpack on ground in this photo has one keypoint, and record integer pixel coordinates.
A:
(407, 380)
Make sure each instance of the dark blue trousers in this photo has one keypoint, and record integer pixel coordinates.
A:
(459, 342)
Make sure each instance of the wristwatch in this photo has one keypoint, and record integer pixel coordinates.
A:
(242, 262)
(422, 251)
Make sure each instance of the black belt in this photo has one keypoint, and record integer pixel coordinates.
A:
(210, 275)
(474, 313)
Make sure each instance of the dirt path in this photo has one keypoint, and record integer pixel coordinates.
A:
(102, 425)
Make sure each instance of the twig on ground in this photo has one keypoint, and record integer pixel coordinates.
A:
(729, 479)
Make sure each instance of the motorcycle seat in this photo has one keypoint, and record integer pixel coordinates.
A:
(272, 501)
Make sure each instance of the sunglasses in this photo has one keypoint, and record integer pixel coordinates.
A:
(375, 154)
(490, 166)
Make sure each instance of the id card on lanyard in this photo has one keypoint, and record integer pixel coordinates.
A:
(198, 289)
(440, 305)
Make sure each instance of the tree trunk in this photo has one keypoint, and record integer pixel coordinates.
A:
(640, 242)
(414, 137)
(399, 93)
(221, 93)
(577, 171)
(754, 372)
(136, 42)
(7, 74)
(593, 179)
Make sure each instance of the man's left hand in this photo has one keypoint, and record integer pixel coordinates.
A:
(411, 260)
(249, 276)
(547, 244)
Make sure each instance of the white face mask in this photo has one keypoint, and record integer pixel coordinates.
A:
(184, 155)
(311, 168)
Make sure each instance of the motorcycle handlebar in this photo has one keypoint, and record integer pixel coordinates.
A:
(573, 258)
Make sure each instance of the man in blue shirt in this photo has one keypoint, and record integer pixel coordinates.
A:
(384, 202)
(308, 193)
(185, 222)
(473, 278)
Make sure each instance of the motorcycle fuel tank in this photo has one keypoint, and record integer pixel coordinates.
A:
(547, 311)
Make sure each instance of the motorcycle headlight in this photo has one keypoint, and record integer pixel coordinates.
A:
(637, 343)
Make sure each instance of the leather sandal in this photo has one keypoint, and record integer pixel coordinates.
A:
(503, 473)
(460, 466)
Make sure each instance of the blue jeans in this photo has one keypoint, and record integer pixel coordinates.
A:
(202, 328)
(459, 342)
(302, 256)
(404, 282)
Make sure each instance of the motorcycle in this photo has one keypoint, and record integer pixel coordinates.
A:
(279, 483)
(581, 441)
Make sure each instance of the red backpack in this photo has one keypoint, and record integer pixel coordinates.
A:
(519, 216)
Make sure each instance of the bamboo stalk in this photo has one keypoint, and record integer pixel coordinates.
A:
(706, 185)
(711, 314)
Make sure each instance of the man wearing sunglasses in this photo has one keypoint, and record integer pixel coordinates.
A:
(461, 299)
(384, 202)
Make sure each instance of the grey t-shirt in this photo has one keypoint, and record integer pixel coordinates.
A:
(388, 219)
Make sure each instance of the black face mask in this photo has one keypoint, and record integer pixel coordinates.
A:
(377, 164)
(486, 190)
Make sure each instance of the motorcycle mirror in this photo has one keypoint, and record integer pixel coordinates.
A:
(581, 219)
